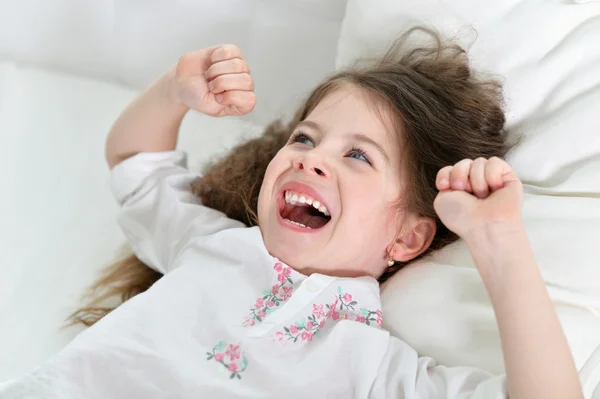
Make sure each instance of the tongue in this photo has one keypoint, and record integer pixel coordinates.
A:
(306, 216)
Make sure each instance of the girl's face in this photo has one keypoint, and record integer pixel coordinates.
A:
(326, 204)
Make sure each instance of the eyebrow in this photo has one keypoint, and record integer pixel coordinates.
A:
(356, 136)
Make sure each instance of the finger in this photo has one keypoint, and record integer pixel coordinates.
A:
(459, 178)
(237, 102)
(236, 65)
(477, 177)
(495, 170)
(226, 52)
(442, 180)
(236, 81)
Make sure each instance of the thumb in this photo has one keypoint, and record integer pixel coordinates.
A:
(453, 208)
(237, 102)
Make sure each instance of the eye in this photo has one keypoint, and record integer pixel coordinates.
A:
(357, 153)
(299, 137)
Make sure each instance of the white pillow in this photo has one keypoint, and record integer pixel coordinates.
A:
(549, 55)
(57, 217)
(290, 45)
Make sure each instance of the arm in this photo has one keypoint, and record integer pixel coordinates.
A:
(159, 213)
(536, 354)
(481, 202)
(149, 124)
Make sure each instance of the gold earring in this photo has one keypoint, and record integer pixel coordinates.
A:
(391, 262)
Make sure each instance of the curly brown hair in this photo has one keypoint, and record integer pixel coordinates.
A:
(444, 112)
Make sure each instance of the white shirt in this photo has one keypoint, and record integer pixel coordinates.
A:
(230, 321)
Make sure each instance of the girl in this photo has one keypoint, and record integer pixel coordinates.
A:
(377, 171)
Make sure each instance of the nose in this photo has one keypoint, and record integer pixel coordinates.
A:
(312, 164)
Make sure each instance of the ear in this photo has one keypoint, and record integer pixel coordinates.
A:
(414, 239)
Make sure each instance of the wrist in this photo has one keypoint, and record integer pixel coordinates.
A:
(495, 234)
(169, 90)
(502, 252)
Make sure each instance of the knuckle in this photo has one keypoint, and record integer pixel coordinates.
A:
(227, 50)
(251, 99)
(250, 83)
(238, 65)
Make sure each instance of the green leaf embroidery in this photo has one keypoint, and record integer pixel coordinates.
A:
(340, 290)
(244, 363)
(220, 345)
(353, 303)
(210, 356)
(287, 330)
(258, 318)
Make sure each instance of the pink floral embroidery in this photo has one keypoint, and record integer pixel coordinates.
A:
(238, 362)
(287, 293)
(318, 310)
(233, 352)
(342, 308)
(270, 300)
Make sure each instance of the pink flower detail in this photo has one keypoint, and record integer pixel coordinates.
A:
(347, 297)
(318, 310)
(233, 352)
(378, 312)
(286, 271)
(278, 267)
(293, 329)
(307, 336)
(250, 323)
(259, 303)
(261, 313)
(219, 357)
(270, 304)
(274, 289)
(332, 308)
(379, 322)
(281, 278)
(279, 336)
(361, 319)
(321, 324)
(287, 293)
(232, 367)
(335, 315)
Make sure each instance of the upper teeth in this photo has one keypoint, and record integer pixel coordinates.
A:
(292, 198)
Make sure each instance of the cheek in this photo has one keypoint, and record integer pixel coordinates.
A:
(273, 171)
(373, 209)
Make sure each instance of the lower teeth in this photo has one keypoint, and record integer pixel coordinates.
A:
(298, 224)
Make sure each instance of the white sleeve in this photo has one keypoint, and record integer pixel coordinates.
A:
(159, 213)
(404, 375)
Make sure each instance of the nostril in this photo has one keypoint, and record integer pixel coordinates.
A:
(319, 172)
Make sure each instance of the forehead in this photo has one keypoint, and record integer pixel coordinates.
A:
(352, 110)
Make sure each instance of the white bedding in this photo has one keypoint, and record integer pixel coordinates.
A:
(549, 56)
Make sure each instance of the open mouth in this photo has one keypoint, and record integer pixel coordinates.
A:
(304, 211)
